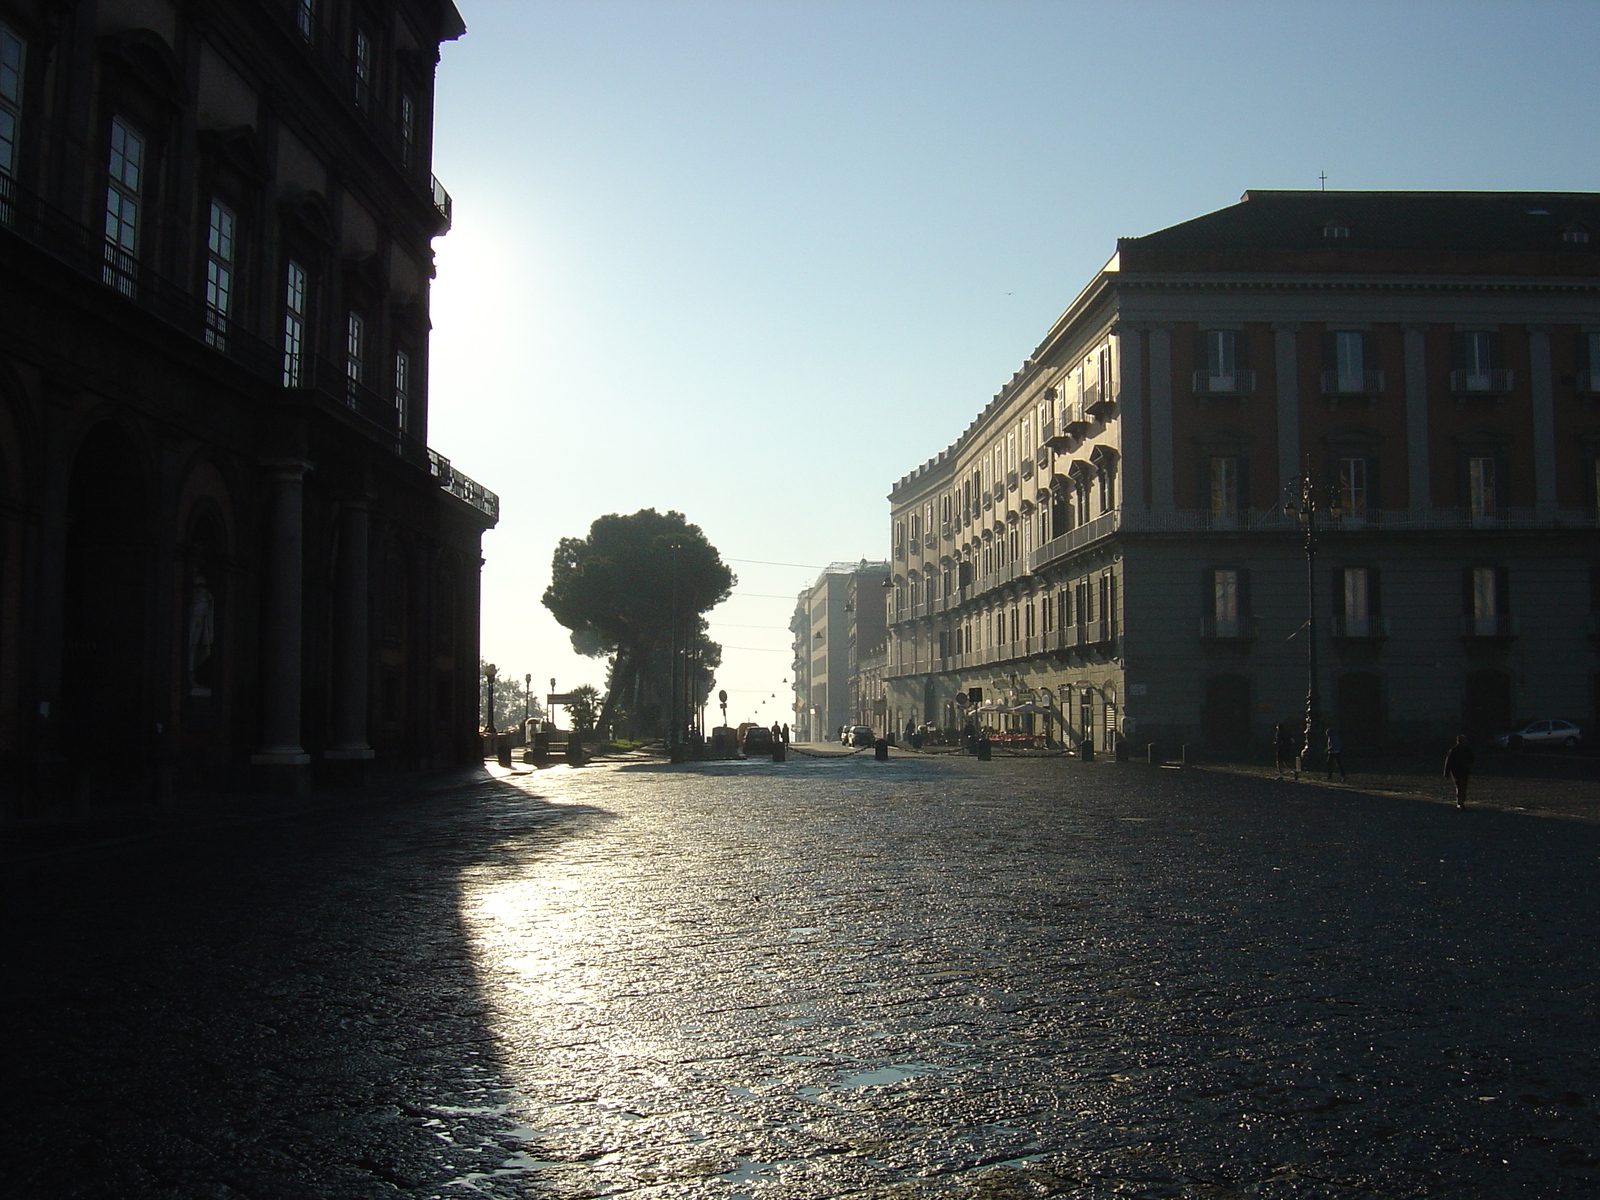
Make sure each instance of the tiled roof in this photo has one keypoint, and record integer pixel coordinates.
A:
(1406, 222)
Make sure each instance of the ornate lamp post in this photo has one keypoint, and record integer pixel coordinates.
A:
(527, 700)
(1300, 502)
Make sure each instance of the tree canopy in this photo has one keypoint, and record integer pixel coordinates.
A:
(619, 589)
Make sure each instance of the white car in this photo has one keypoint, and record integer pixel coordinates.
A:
(1540, 733)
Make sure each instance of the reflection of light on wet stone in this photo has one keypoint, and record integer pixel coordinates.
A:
(884, 1076)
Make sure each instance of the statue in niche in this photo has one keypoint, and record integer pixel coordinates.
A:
(202, 632)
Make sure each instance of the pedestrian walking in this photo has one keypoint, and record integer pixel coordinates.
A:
(1458, 767)
(1283, 740)
(786, 733)
(1335, 752)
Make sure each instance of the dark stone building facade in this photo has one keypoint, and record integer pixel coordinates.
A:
(226, 551)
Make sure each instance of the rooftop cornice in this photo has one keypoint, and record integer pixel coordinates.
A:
(1298, 281)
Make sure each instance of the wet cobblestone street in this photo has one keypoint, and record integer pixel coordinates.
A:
(924, 978)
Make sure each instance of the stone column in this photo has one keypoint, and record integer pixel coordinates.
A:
(1161, 418)
(1130, 413)
(1284, 352)
(1419, 486)
(350, 636)
(281, 621)
(1544, 420)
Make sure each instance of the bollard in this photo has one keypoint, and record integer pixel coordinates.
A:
(1086, 751)
(780, 752)
(984, 753)
(1183, 755)
(1150, 753)
(502, 749)
(880, 750)
(1121, 752)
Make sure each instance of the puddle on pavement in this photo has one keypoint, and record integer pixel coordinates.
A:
(884, 1076)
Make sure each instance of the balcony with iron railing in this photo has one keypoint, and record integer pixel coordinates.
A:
(1488, 381)
(1227, 629)
(1368, 628)
(1239, 382)
(1496, 627)
(1337, 383)
(84, 251)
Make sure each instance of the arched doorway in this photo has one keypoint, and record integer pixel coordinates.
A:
(1225, 713)
(107, 687)
(1486, 704)
(1361, 714)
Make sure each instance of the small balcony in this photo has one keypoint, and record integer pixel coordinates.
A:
(1357, 629)
(1495, 381)
(1238, 382)
(1011, 482)
(1351, 383)
(1494, 628)
(1227, 629)
(442, 205)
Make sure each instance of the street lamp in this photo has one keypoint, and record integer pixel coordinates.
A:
(1300, 502)
(527, 700)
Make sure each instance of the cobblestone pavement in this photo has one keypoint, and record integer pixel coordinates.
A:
(921, 978)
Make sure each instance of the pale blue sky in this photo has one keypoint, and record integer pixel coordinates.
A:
(754, 261)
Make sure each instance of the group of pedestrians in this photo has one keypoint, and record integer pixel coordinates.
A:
(1291, 758)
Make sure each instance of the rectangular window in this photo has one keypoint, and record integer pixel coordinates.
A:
(1222, 357)
(1103, 362)
(305, 18)
(408, 129)
(11, 62)
(1224, 489)
(1349, 361)
(1481, 486)
(124, 188)
(1487, 601)
(1357, 602)
(402, 389)
(219, 274)
(1225, 608)
(354, 350)
(294, 325)
(1353, 487)
(363, 68)
(1478, 363)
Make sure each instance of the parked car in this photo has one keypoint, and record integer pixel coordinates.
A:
(860, 735)
(1540, 733)
(757, 740)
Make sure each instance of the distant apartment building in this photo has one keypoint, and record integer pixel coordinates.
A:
(836, 617)
(1108, 538)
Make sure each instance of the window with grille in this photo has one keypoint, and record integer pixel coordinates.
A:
(294, 325)
(402, 389)
(305, 18)
(12, 53)
(219, 273)
(124, 190)
(1481, 486)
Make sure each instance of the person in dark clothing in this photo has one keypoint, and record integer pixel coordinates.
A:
(1335, 753)
(1283, 739)
(1458, 766)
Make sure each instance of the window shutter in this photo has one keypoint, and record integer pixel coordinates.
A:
(1330, 352)
(1502, 592)
(1374, 592)
(1245, 610)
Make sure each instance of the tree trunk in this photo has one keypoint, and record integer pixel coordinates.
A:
(619, 668)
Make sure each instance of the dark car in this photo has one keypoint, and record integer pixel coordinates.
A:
(757, 740)
(860, 735)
